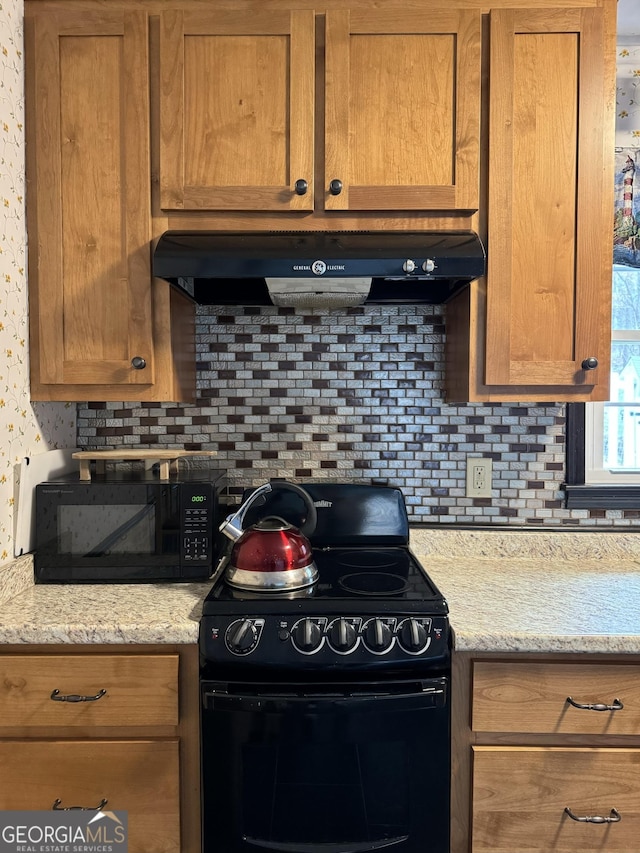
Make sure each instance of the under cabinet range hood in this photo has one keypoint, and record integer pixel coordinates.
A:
(319, 269)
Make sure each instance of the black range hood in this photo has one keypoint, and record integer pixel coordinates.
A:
(319, 269)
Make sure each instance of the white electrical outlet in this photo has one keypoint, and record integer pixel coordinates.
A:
(478, 477)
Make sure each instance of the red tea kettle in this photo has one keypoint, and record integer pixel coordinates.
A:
(271, 555)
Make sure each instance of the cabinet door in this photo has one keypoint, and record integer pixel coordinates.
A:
(89, 226)
(141, 777)
(402, 110)
(236, 110)
(550, 216)
(520, 795)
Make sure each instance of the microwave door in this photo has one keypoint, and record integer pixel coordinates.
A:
(120, 533)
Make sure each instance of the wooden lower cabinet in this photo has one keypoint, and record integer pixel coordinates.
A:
(536, 735)
(520, 795)
(140, 777)
(80, 725)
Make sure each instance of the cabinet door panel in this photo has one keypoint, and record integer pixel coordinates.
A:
(140, 777)
(90, 277)
(236, 110)
(520, 795)
(402, 109)
(549, 239)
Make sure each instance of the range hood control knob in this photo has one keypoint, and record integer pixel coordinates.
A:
(428, 265)
(409, 266)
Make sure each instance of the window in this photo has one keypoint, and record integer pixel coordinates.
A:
(612, 451)
(603, 439)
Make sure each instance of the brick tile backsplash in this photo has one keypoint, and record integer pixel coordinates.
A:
(352, 394)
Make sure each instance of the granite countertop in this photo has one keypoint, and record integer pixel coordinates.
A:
(507, 592)
(537, 592)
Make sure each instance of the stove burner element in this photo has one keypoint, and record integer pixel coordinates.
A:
(367, 559)
(373, 583)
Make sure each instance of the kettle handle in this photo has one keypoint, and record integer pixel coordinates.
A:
(311, 520)
(233, 525)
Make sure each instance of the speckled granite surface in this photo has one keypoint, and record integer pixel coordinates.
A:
(507, 592)
(537, 592)
(103, 613)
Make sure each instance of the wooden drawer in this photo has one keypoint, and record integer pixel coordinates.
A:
(141, 690)
(530, 697)
(137, 776)
(520, 795)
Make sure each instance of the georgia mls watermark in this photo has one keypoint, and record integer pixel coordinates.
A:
(63, 831)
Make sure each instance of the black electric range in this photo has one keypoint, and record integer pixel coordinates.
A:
(373, 612)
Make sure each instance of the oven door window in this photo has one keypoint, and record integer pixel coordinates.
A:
(327, 772)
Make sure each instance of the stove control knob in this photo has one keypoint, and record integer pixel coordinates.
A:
(413, 636)
(306, 636)
(377, 636)
(241, 637)
(343, 637)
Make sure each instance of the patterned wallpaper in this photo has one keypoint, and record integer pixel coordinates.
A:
(628, 92)
(25, 429)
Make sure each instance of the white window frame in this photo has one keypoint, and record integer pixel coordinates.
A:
(595, 471)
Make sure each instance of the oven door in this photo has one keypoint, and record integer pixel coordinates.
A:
(326, 768)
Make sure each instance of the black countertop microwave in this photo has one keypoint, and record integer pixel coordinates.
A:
(127, 527)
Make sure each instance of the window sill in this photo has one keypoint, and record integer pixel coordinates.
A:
(602, 497)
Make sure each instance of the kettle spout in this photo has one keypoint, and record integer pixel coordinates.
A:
(232, 525)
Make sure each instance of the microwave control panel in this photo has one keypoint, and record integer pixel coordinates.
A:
(197, 527)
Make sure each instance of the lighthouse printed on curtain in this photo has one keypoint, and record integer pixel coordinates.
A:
(626, 226)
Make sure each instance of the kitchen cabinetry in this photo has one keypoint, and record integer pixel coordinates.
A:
(100, 328)
(132, 744)
(539, 327)
(398, 90)
(534, 757)
(495, 117)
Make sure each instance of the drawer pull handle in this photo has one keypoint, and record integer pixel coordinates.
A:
(617, 706)
(614, 817)
(74, 697)
(56, 807)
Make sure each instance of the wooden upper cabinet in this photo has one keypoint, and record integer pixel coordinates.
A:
(549, 212)
(89, 208)
(402, 109)
(237, 110)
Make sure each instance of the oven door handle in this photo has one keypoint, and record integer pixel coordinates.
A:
(215, 700)
(329, 847)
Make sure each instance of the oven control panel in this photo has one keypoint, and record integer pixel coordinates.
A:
(317, 641)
